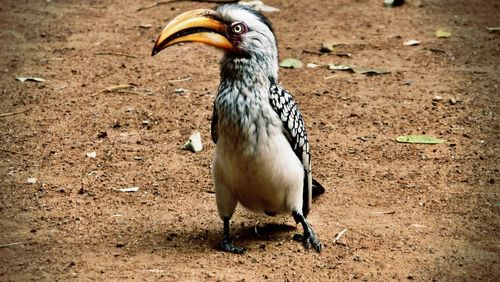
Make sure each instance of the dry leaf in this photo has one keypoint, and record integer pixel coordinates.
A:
(360, 70)
(440, 33)
(291, 63)
(419, 139)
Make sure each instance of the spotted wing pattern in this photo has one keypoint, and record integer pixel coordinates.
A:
(294, 129)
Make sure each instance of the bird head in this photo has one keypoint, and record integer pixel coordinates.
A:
(245, 36)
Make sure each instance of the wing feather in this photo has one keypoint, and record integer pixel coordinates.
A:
(284, 105)
(213, 125)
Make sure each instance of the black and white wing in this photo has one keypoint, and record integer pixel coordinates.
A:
(284, 105)
(213, 125)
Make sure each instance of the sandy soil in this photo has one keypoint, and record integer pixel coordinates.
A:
(416, 212)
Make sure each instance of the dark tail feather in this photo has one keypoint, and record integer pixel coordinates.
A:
(318, 189)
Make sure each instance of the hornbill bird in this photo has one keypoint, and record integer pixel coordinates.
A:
(262, 158)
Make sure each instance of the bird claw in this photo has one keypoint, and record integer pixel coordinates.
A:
(314, 242)
(228, 246)
(308, 241)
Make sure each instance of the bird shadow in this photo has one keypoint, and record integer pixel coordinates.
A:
(258, 236)
(202, 240)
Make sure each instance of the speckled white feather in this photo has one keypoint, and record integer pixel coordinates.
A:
(254, 163)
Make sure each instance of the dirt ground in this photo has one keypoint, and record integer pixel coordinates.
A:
(412, 212)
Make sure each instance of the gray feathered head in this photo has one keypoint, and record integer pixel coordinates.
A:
(245, 35)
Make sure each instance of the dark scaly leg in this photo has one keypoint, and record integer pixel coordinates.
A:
(226, 243)
(308, 238)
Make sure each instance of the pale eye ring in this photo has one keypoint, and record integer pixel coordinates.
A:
(238, 28)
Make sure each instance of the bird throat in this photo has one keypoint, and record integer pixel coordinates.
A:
(242, 104)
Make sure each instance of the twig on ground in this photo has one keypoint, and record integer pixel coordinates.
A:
(114, 88)
(153, 270)
(11, 244)
(384, 212)
(179, 80)
(115, 54)
(125, 88)
(13, 113)
(51, 59)
(158, 3)
(337, 238)
(137, 92)
(435, 50)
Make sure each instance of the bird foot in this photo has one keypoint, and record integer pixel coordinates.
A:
(308, 238)
(308, 241)
(227, 246)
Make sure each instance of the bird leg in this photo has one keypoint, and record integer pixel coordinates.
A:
(308, 238)
(226, 243)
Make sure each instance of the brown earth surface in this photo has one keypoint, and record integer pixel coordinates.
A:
(411, 211)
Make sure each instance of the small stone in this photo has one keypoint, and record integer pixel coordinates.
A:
(130, 189)
(31, 180)
(437, 98)
(326, 48)
(92, 155)
(102, 135)
(411, 42)
(452, 101)
(194, 143)
(180, 91)
(312, 65)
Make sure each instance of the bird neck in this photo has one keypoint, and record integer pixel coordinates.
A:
(243, 115)
(250, 69)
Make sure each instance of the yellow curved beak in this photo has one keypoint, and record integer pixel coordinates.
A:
(200, 25)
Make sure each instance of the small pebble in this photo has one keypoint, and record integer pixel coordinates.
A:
(437, 98)
(31, 180)
(194, 143)
(102, 135)
(92, 155)
(180, 91)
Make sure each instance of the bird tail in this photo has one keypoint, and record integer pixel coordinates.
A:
(317, 188)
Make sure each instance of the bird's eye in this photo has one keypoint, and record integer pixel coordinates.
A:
(238, 28)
